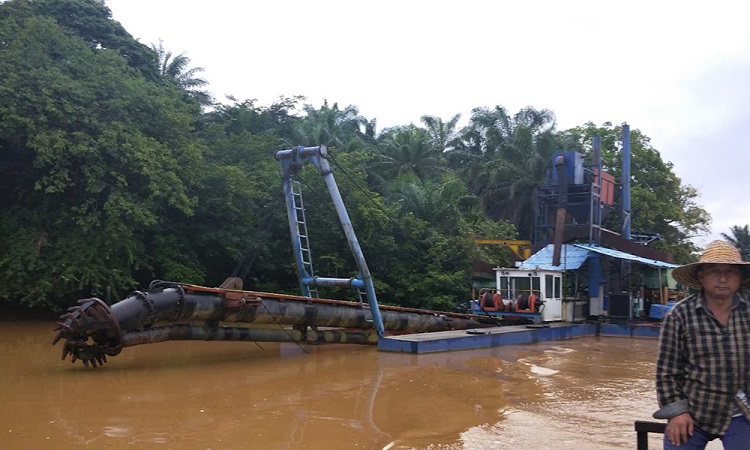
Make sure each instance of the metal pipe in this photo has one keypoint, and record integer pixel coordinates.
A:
(562, 200)
(143, 309)
(321, 162)
(183, 332)
(322, 281)
(94, 330)
(596, 206)
(301, 151)
(626, 217)
(625, 181)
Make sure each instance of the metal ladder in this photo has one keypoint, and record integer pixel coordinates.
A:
(362, 296)
(304, 240)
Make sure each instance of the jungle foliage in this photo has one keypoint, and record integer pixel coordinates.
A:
(115, 173)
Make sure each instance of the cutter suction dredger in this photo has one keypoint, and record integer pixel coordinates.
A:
(169, 311)
(93, 330)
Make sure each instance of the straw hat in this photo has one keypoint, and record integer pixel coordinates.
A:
(717, 252)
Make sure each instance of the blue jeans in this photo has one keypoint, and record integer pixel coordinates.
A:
(737, 437)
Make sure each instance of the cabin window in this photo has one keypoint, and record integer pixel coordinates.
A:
(512, 287)
(505, 287)
(522, 285)
(548, 284)
(552, 286)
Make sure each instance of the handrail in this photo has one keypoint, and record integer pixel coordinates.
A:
(643, 428)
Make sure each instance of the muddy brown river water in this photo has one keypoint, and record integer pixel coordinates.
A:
(575, 394)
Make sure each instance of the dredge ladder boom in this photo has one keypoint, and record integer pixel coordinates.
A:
(292, 161)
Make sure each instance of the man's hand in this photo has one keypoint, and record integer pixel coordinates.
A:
(680, 428)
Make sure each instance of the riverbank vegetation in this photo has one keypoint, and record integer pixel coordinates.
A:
(117, 168)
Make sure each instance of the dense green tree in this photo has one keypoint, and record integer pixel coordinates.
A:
(441, 222)
(91, 21)
(97, 157)
(740, 238)
(239, 224)
(246, 117)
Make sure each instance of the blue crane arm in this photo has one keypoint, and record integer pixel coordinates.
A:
(291, 162)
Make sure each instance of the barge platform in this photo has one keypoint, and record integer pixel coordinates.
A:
(445, 341)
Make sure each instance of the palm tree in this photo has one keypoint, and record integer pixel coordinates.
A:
(332, 126)
(408, 150)
(444, 136)
(441, 204)
(176, 68)
(488, 132)
(740, 238)
(508, 158)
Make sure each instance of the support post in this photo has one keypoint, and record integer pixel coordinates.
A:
(562, 204)
(595, 230)
(625, 265)
(625, 181)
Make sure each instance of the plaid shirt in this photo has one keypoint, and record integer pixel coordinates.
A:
(703, 361)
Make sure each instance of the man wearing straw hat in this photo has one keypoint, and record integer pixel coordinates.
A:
(704, 354)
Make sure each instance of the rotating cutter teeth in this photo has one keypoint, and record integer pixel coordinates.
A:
(90, 333)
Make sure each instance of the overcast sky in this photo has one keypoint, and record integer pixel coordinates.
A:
(677, 71)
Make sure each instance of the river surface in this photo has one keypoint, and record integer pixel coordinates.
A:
(583, 393)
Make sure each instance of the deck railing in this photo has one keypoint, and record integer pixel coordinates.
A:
(643, 428)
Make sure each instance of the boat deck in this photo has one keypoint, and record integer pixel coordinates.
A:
(444, 341)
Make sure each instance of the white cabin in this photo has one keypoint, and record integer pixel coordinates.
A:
(545, 284)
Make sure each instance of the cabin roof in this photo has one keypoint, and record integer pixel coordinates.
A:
(573, 256)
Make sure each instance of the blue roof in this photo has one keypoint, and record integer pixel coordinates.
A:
(622, 255)
(572, 257)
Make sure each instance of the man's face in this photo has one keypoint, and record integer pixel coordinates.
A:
(720, 280)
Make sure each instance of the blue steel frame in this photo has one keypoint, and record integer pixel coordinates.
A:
(291, 161)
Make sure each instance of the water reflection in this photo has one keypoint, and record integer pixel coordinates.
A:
(583, 393)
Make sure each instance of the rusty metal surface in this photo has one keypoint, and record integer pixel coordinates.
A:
(90, 332)
(182, 332)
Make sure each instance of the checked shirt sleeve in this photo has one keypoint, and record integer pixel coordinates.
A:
(670, 366)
